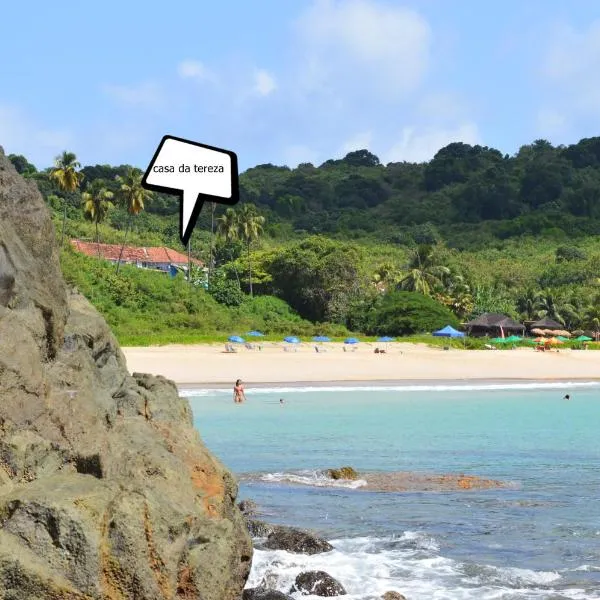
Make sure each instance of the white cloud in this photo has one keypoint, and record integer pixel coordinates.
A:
(571, 65)
(148, 95)
(297, 154)
(363, 44)
(19, 134)
(360, 141)
(192, 69)
(421, 145)
(551, 122)
(264, 83)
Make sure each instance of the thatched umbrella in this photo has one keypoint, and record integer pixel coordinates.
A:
(537, 331)
(563, 333)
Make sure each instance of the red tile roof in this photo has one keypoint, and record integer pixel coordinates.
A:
(133, 253)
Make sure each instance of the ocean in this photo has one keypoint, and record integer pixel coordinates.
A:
(536, 538)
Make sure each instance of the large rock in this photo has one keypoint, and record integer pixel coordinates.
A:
(106, 490)
(295, 540)
(317, 583)
(259, 529)
(263, 594)
(393, 596)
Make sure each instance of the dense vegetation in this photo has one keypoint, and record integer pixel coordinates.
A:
(338, 247)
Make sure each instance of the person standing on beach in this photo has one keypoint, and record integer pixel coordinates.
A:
(238, 392)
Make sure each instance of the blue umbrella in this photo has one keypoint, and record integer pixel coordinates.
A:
(237, 339)
(255, 334)
(448, 331)
(350, 341)
(386, 338)
(291, 339)
(321, 338)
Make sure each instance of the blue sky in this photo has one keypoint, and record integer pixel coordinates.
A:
(289, 81)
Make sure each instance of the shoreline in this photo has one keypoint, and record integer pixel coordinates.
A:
(207, 365)
(226, 385)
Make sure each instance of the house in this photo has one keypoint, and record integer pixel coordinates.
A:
(161, 258)
(493, 324)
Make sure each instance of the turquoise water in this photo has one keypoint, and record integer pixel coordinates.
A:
(540, 538)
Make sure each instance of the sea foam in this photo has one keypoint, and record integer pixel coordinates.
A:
(412, 565)
(425, 387)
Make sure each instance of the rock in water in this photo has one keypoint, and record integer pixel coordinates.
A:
(393, 596)
(342, 473)
(262, 594)
(106, 490)
(295, 540)
(317, 583)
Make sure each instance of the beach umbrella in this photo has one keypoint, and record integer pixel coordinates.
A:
(554, 341)
(291, 339)
(321, 338)
(255, 334)
(448, 331)
(513, 338)
(563, 333)
(236, 339)
(385, 339)
(351, 340)
(562, 338)
(498, 340)
(583, 338)
(537, 331)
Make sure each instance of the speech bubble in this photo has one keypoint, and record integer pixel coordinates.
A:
(195, 172)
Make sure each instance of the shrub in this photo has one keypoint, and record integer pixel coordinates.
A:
(404, 313)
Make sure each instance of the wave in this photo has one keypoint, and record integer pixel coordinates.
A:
(311, 478)
(531, 385)
(410, 564)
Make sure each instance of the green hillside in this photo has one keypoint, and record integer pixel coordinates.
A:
(341, 246)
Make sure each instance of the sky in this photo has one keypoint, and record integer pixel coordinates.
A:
(291, 81)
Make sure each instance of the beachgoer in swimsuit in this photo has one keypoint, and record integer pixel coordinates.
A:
(238, 392)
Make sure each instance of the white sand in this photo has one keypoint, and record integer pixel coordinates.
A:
(199, 364)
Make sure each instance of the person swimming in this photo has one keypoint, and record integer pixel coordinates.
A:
(567, 397)
(238, 392)
(281, 400)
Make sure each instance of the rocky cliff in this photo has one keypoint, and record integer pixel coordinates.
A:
(106, 490)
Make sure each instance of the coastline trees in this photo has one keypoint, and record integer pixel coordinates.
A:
(245, 225)
(67, 178)
(250, 225)
(97, 201)
(424, 271)
(133, 196)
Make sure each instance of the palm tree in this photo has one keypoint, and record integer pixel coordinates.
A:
(133, 196)
(228, 227)
(96, 204)
(556, 307)
(212, 240)
(68, 179)
(250, 227)
(528, 304)
(423, 271)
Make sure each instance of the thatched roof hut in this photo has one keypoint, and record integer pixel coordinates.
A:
(546, 323)
(493, 324)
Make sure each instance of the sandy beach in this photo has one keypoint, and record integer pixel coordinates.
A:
(209, 364)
